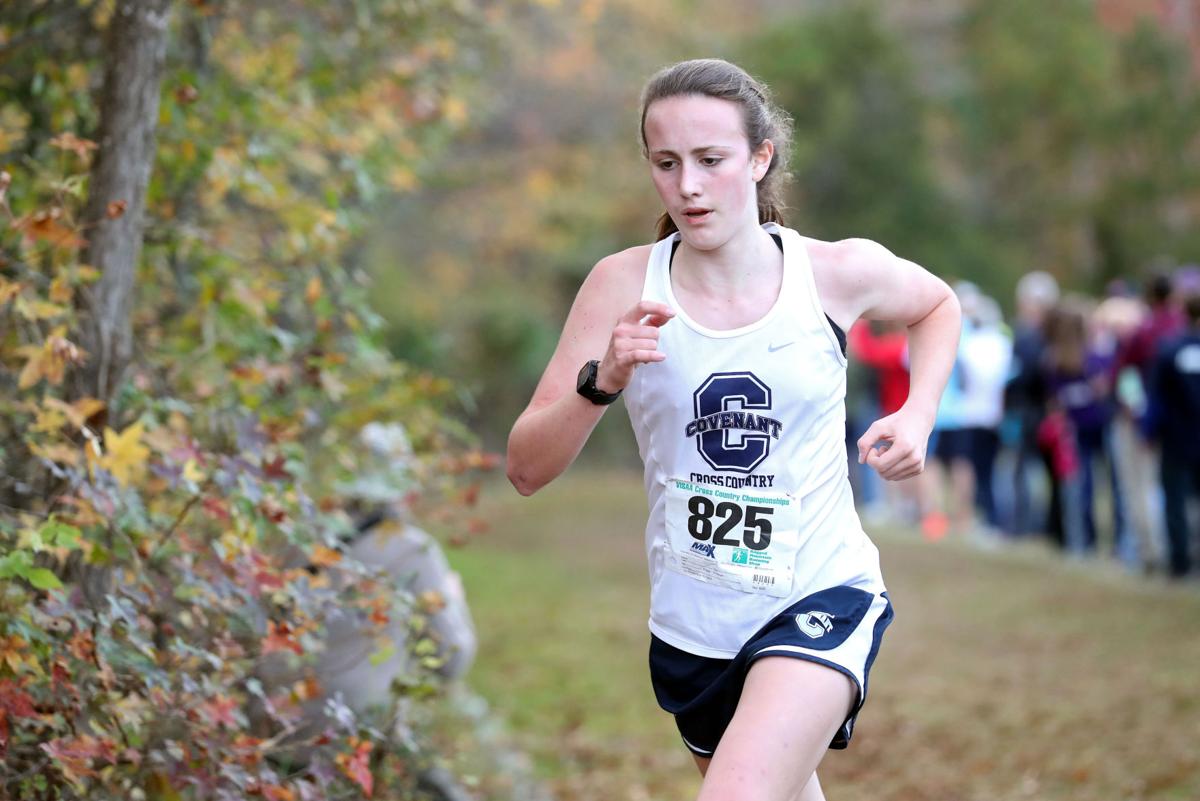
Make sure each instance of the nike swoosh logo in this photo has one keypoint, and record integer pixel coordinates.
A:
(773, 348)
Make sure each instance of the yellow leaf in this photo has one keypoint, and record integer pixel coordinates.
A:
(77, 412)
(8, 290)
(60, 454)
(10, 652)
(34, 368)
(84, 409)
(126, 456)
(312, 292)
(49, 360)
(38, 309)
(15, 653)
(49, 419)
(61, 291)
(323, 557)
(192, 472)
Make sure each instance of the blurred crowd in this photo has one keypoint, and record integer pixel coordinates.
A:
(1079, 421)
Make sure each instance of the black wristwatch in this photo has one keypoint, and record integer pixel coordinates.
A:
(586, 385)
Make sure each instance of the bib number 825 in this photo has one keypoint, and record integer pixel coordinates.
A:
(757, 532)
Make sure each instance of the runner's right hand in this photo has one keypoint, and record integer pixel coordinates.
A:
(634, 341)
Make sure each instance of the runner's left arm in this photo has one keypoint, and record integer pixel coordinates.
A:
(886, 287)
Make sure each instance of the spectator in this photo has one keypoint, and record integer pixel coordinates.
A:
(1025, 396)
(1119, 319)
(884, 349)
(1163, 320)
(862, 408)
(984, 354)
(1174, 410)
(1079, 379)
(950, 449)
(1055, 437)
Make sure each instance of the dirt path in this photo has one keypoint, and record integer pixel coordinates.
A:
(1007, 675)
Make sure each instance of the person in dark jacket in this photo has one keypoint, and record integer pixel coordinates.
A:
(1078, 378)
(1025, 398)
(1174, 410)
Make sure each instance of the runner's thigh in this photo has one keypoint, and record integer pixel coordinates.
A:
(789, 711)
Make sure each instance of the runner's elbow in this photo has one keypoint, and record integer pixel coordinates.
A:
(531, 462)
(521, 483)
(519, 477)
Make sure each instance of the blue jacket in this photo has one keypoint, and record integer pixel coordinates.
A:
(1174, 402)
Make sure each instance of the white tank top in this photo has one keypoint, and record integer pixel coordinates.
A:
(742, 432)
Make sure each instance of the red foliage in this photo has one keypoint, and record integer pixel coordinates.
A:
(357, 766)
(279, 638)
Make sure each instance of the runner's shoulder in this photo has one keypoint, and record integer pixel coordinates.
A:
(845, 255)
(843, 271)
(625, 265)
(620, 276)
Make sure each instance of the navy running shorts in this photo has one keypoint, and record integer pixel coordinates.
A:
(839, 627)
(953, 444)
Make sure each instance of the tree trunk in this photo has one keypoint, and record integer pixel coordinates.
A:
(134, 51)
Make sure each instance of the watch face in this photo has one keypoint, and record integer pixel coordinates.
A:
(586, 375)
(586, 386)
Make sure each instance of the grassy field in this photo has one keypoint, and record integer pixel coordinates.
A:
(1008, 674)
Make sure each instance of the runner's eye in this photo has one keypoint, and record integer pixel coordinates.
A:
(711, 161)
(665, 164)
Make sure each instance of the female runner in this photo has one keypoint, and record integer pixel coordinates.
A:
(725, 337)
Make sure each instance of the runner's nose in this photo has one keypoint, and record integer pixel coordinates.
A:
(689, 181)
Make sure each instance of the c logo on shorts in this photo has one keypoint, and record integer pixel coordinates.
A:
(815, 624)
(733, 438)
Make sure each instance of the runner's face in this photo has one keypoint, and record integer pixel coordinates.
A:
(702, 167)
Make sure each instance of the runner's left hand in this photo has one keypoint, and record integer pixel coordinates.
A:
(895, 446)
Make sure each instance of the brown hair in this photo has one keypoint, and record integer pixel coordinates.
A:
(761, 118)
(1191, 306)
(1065, 331)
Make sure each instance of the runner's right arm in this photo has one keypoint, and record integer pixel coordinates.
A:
(606, 322)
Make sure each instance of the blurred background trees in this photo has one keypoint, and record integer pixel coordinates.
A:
(190, 359)
(982, 140)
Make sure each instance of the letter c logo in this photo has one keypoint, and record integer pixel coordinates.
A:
(718, 447)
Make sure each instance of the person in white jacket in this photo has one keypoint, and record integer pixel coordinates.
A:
(985, 358)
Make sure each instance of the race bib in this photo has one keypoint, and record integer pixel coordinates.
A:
(742, 540)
